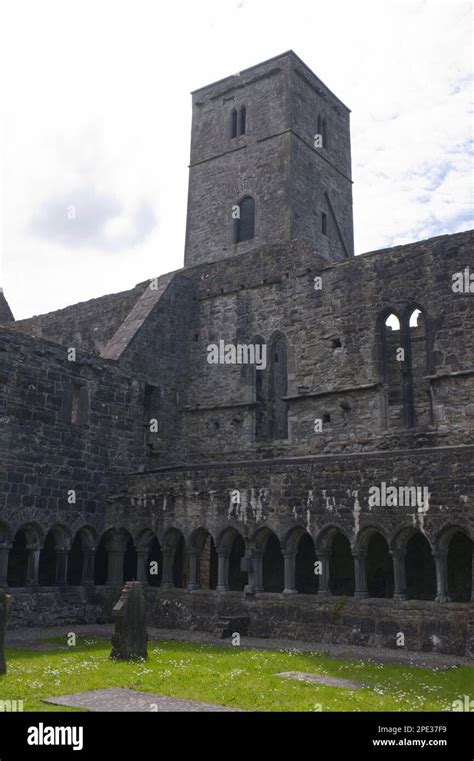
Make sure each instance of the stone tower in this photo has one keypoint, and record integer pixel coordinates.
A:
(258, 174)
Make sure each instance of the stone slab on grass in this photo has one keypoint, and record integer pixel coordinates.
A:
(328, 681)
(120, 699)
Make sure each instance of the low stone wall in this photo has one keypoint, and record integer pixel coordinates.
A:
(57, 606)
(426, 626)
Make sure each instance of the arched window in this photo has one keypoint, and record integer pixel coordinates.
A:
(271, 388)
(278, 390)
(404, 362)
(393, 359)
(233, 123)
(419, 412)
(244, 228)
(242, 120)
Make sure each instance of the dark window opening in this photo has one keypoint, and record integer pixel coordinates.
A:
(404, 357)
(326, 417)
(324, 223)
(151, 409)
(233, 123)
(420, 569)
(261, 399)
(79, 404)
(379, 567)
(245, 225)
(278, 391)
(271, 386)
(336, 343)
(272, 565)
(341, 567)
(392, 364)
(323, 131)
(242, 120)
(418, 393)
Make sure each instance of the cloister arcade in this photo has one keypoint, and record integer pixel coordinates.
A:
(406, 565)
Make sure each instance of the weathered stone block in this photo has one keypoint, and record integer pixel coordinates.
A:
(130, 637)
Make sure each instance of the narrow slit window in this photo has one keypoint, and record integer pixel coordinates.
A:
(233, 123)
(242, 120)
(245, 224)
(324, 223)
(79, 404)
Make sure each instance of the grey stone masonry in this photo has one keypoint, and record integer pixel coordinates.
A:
(276, 161)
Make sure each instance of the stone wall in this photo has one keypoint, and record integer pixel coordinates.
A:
(313, 493)
(373, 623)
(44, 453)
(333, 338)
(87, 326)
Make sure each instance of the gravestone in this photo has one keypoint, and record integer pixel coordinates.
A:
(5, 602)
(130, 638)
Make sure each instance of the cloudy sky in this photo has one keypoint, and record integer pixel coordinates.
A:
(95, 118)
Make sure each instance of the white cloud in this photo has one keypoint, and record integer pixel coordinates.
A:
(95, 103)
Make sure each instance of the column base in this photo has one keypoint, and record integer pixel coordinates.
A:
(361, 595)
(323, 593)
(290, 592)
(222, 588)
(399, 596)
(442, 598)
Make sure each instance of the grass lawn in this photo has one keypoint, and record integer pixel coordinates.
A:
(229, 676)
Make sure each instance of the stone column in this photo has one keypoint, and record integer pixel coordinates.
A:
(193, 560)
(360, 575)
(4, 552)
(61, 566)
(32, 567)
(167, 575)
(323, 587)
(87, 577)
(115, 566)
(257, 571)
(441, 563)
(142, 555)
(398, 558)
(290, 568)
(223, 556)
